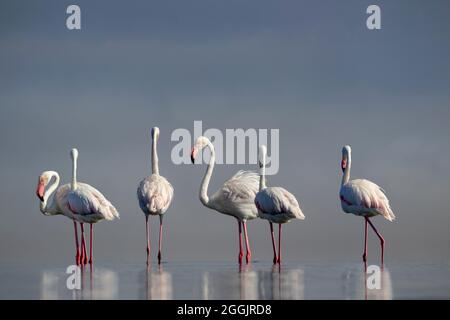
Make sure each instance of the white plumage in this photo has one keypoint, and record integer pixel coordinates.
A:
(79, 201)
(58, 204)
(363, 198)
(89, 205)
(154, 194)
(275, 204)
(236, 196)
(278, 205)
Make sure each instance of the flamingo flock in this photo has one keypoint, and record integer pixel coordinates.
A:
(245, 196)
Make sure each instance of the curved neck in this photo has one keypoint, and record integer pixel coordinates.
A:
(155, 167)
(346, 175)
(205, 182)
(51, 209)
(74, 173)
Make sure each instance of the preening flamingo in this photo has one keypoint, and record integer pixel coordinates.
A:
(88, 205)
(235, 198)
(275, 204)
(155, 195)
(363, 198)
(58, 203)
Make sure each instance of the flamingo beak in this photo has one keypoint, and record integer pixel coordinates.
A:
(344, 164)
(260, 164)
(193, 155)
(40, 191)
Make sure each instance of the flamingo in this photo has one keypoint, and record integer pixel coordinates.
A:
(275, 204)
(59, 203)
(88, 205)
(235, 198)
(364, 198)
(155, 195)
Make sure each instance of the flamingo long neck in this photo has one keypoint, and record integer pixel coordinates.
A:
(155, 166)
(262, 175)
(51, 209)
(74, 173)
(205, 182)
(346, 175)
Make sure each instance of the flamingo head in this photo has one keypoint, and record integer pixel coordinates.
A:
(43, 181)
(155, 132)
(346, 152)
(74, 153)
(200, 143)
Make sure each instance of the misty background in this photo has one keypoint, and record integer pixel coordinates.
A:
(310, 68)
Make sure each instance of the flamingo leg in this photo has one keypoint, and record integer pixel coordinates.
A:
(83, 246)
(147, 231)
(91, 257)
(77, 256)
(160, 238)
(273, 244)
(381, 240)
(365, 241)
(247, 245)
(241, 251)
(279, 244)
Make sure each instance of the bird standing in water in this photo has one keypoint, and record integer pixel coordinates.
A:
(275, 204)
(155, 195)
(363, 198)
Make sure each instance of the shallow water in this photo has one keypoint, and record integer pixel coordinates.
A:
(227, 281)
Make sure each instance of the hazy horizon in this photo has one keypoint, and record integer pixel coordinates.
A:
(310, 69)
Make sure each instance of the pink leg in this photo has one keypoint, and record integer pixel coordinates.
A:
(381, 240)
(247, 245)
(279, 244)
(83, 246)
(273, 244)
(91, 257)
(147, 238)
(160, 238)
(365, 241)
(77, 256)
(241, 251)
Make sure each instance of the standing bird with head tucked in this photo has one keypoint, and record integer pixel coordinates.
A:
(155, 195)
(48, 185)
(275, 204)
(363, 198)
(235, 198)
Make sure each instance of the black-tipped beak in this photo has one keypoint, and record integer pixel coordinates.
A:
(260, 164)
(192, 159)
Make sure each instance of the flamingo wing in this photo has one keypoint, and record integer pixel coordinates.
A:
(364, 196)
(242, 187)
(86, 200)
(277, 200)
(155, 194)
